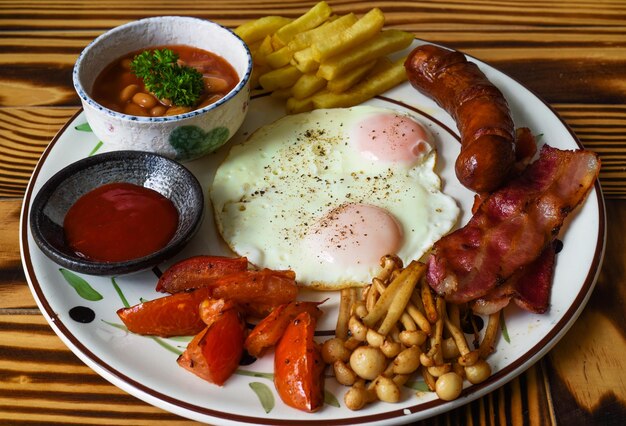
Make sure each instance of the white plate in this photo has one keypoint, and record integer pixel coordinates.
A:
(146, 367)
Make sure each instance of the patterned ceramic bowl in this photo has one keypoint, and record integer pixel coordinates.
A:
(182, 137)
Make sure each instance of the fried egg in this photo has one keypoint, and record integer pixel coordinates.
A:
(327, 193)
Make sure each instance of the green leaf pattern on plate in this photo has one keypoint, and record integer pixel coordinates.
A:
(265, 395)
(192, 141)
(95, 148)
(331, 399)
(418, 386)
(112, 324)
(83, 127)
(167, 346)
(505, 332)
(119, 292)
(182, 339)
(81, 286)
(268, 376)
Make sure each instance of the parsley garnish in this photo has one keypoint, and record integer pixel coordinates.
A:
(166, 79)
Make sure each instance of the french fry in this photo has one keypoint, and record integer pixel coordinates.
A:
(367, 89)
(257, 71)
(303, 40)
(256, 30)
(254, 47)
(307, 85)
(362, 30)
(284, 93)
(384, 43)
(307, 38)
(349, 79)
(265, 49)
(351, 57)
(303, 60)
(260, 66)
(296, 106)
(311, 19)
(382, 64)
(280, 79)
(280, 57)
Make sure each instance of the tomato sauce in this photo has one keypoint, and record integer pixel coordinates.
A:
(120, 221)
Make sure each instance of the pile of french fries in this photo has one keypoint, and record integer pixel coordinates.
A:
(322, 60)
(398, 327)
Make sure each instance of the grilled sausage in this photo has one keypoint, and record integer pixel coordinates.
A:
(479, 109)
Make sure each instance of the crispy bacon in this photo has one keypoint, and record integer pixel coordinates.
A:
(512, 226)
(529, 287)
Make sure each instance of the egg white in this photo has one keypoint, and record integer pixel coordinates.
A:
(271, 189)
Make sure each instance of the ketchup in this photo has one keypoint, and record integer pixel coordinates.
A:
(120, 221)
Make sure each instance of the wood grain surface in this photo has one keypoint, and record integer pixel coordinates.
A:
(571, 53)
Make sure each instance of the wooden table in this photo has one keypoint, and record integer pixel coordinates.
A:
(571, 53)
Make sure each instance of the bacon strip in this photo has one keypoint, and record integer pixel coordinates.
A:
(512, 226)
(529, 287)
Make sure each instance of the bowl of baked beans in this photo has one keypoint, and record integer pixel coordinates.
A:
(173, 85)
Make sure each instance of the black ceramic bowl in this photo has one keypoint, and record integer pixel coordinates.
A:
(153, 171)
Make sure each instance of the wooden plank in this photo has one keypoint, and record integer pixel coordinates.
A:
(585, 369)
(14, 292)
(54, 14)
(24, 135)
(42, 381)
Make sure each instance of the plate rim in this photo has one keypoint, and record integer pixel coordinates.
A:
(180, 407)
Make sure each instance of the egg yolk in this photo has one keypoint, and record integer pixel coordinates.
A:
(391, 138)
(353, 234)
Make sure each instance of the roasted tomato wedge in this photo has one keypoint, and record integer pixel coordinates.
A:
(257, 292)
(174, 315)
(215, 352)
(298, 365)
(211, 309)
(269, 331)
(198, 271)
